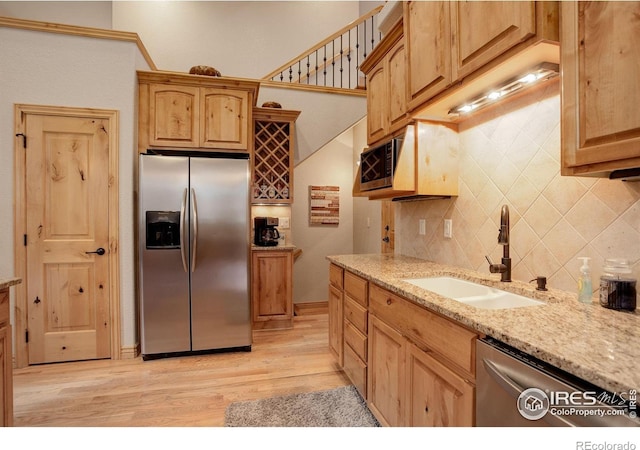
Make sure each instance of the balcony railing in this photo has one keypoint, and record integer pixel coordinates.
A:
(334, 62)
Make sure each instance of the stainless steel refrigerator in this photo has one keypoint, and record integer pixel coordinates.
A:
(193, 234)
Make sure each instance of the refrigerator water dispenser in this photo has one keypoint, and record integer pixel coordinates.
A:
(163, 229)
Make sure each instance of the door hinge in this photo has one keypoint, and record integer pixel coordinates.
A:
(24, 139)
(26, 336)
(25, 240)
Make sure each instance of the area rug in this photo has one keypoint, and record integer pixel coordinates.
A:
(340, 407)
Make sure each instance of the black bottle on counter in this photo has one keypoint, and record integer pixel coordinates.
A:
(617, 286)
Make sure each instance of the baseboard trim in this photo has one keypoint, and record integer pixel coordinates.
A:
(310, 308)
(130, 352)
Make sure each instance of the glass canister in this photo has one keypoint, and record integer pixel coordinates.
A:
(617, 285)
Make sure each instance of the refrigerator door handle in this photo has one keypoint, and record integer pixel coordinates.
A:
(195, 230)
(182, 227)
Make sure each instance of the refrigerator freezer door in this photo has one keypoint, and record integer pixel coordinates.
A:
(164, 284)
(220, 314)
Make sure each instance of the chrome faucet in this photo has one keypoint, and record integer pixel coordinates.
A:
(503, 269)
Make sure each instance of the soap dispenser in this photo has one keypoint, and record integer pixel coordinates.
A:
(585, 292)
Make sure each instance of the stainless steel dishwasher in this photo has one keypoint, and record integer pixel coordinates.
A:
(514, 389)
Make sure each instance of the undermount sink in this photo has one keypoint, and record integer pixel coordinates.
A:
(473, 294)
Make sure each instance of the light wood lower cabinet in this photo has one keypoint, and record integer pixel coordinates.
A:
(436, 396)
(335, 323)
(386, 388)
(6, 363)
(421, 365)
(272, 289)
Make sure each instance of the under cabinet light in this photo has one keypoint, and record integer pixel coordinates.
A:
(542, 72)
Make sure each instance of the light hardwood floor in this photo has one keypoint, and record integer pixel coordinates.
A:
(184, 391)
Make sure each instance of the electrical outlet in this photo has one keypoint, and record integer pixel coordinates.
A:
(283, 222)
(448, 228)
(423, 226)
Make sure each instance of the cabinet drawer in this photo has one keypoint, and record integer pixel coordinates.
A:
(450, 340)
(356, 340)
(356, 287)
(356, 314)
(4, 308)
(356, 370)
(335, 275)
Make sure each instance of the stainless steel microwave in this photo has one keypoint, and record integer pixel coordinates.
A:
(378, 165)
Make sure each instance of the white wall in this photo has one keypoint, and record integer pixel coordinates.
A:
(239, 38)
(60, 70)
(329, 166)
(95, 14)
(367, 220)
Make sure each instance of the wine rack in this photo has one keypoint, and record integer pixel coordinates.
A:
(274, 131)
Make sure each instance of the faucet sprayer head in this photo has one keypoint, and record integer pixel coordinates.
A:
(503, 236)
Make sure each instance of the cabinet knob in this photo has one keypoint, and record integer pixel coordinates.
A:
(388, 301)
(426, 409)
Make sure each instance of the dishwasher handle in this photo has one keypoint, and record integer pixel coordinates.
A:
(514, 389)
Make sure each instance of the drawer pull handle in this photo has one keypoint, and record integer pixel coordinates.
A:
(426, 409)
(388, 301)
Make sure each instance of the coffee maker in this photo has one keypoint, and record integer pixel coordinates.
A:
(266, 233)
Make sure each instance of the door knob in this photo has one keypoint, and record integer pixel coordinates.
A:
(100, 252)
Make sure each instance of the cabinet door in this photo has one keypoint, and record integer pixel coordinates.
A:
(397, 67)
(600, 86)
(225, 119)
(174, 115)
(377, 103)
(385, 386)
(436, 396)
(485, 30)
(335, 323)
(6, 380)
(271, 275)
(428, 32)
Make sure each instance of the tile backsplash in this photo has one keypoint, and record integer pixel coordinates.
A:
(511, 155)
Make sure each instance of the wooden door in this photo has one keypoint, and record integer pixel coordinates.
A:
(436, 396)
(386, 379)
(225, 119)
(388, 226)
(67, 181)
(428, 32)
(484, 30)
(600, 86)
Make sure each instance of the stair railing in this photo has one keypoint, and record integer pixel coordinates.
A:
(335, 61)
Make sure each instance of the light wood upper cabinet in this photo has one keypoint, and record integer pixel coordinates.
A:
(225, 119)
(600, 87)
(174, 115)
(485, 30)
(195, 112)
(467, 47)
(385, 69)
(428, 36)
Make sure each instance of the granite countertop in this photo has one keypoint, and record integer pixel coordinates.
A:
(279, 247)
(599, 345)
(8, 282)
